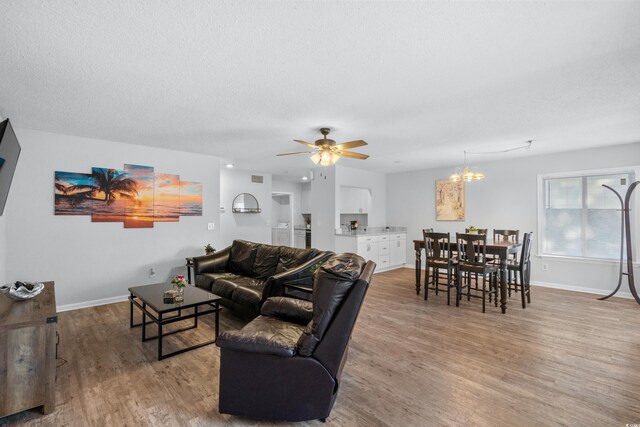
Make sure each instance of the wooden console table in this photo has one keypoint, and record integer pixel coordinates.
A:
(28, 352)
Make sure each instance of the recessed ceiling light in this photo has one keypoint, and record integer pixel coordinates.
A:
(304, 178)
(230, 165)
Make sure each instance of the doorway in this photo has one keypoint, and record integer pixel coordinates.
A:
(282, 219)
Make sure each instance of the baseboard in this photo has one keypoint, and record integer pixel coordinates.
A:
(93, 303)
(620, 294)
(564, 287)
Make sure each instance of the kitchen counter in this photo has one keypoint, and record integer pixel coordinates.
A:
(372, 232)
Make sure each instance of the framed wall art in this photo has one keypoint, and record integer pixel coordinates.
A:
(449, 200)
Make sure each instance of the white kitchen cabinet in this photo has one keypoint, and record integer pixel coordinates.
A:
(386, 250)
(368, 250)
(299, 238)
(355, 200)
(397, 250)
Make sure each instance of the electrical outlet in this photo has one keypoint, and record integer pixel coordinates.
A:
(152, 272)
(545, 266)
(211, 226)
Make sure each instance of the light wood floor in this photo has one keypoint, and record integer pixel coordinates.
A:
(567, 359)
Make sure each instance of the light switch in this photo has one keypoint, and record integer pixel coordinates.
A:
(211, 226)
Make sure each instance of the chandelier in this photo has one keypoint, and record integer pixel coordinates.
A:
(468, 174)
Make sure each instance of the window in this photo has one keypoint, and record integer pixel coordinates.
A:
(578, 217)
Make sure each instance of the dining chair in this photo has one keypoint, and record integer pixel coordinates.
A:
(489, 257)
(472, 259)
(438, 257)
(520, 271)
(506, 235)
(511, 236)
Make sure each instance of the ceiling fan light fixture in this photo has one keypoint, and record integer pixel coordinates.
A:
(325, 156)
(327, 152)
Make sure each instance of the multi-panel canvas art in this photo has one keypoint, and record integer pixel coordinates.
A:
(135, 196)
(449, 200)
(139, 210)
(190, 198)
(166, 205)
(73, 193)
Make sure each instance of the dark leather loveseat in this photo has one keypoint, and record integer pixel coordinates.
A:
(286, 364)
(246, 273)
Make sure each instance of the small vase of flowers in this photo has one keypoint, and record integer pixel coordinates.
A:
(179, 284)
(473, 230)
(209, 249)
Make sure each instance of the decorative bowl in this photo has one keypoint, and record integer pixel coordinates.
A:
(22, 290)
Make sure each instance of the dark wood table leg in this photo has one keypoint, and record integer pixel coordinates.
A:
(160, 336)
(144, 321)
(418, 269)
(217, 306)
(503, 283)
(131, 310)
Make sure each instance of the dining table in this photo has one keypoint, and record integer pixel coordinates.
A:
(501, 249)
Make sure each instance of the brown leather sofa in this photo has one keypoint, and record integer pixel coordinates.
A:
(246, 273)
(286, 364)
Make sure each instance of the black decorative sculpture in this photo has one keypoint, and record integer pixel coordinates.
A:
(625, 236)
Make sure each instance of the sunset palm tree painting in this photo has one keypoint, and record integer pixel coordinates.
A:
(190, 198)
(138, 211)
(166, 201)
(73, 193)
(136, 196)
(112, 188)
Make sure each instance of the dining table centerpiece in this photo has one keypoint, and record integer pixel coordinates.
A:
(179, 283)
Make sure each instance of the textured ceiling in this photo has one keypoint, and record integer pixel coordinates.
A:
(420, 81)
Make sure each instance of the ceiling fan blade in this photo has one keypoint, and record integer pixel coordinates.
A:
(352, 155)
(351, 144)
(297, 152)
(305, 143)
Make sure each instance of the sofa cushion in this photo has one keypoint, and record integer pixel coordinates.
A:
(248, 292)
(293, 257)
(242, 257)
(266, 261)
(290, 309)
(265, 335)
(224, 287)
(332, 282)
(205, 280)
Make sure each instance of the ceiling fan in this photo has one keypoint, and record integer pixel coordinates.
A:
(328, 152)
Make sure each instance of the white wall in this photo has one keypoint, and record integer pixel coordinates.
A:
(255, 227)
(323, 208)
(507, 199)
(93, 261)
(375, 181)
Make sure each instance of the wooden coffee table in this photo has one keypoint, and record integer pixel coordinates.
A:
(150, 300)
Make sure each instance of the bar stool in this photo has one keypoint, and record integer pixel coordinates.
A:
(511, 236)
(520, 271)
(489, 257)
(438, 257)
(472, 258)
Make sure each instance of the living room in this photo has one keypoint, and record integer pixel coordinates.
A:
(212, 92)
